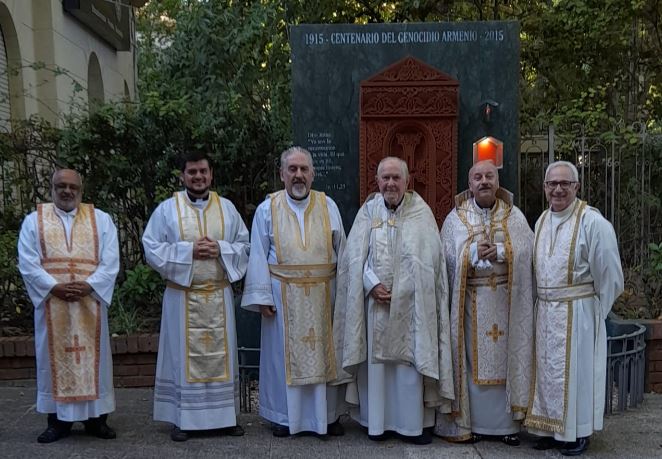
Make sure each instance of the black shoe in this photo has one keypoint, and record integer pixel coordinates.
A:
(53, 433)
(475, 438)
(232, 431)
(97, 427)
(511, 440)
(423, 439)
(546, 443)
(575, 448)
(280, 431)
(335, 429)
(178, 435)
(382, 437)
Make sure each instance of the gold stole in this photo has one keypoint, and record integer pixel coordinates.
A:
(554, 257)
(305, 271)
(489, 295)
(73, 327)
(207, 357)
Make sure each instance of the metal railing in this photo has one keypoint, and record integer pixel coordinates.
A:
(249, 370)
(626, 364)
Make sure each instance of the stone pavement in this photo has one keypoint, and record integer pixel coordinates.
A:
(635, 434)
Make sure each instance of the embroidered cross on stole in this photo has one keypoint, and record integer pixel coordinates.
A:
(305, 271)
(487, 294)
(207, 358)
(73, 327)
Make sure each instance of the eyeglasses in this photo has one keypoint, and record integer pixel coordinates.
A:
(564, 184)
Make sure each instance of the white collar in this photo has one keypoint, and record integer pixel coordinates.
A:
(300, 204)
(64, 213)
(565, 213)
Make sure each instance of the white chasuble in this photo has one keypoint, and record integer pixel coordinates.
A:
(73, 327)
(206, 334)
(305, 269)
(488, 293)
(396, 358)
(491, 317)
(554, 265)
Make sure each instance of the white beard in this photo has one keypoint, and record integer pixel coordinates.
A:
(299, 191)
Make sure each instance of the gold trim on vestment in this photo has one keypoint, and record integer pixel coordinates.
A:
(543, 422)
(487, 281)
(509, 258)
(305, 285)
(302, 280)
(201, 313)
(474, 326)
(475, 282)
(304, 267)
(223, 283)
(562, 294)
(571, 258)
(73, 327)
(474, 339)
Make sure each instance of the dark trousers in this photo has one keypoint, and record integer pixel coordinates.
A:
(53, 421)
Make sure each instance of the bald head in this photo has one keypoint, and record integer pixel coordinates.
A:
(484, 165)
(66, 189)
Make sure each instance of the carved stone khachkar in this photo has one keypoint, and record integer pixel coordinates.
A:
(410, 110)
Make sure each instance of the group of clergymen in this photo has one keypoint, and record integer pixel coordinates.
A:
(466, 334)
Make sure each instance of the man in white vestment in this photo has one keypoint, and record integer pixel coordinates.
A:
(69, 258)
(198, 242)
(579, 276)
(488, 246)
(296, 239)
(391, 326)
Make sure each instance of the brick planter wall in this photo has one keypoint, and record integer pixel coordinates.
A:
(134, 359)
(653, 355)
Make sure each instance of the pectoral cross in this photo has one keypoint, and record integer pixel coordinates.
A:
(311, 338)
(207, 340)
(494, 333)
(77, 348)
(493, 282)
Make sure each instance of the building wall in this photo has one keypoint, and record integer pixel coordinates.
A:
(40, 32)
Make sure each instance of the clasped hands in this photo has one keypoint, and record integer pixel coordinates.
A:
(487, 250)
(381, 294)
(205, 249)
(71, 291)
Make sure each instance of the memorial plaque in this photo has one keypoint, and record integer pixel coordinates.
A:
(330, 63)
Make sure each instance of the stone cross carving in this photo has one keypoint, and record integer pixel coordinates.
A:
(77, 348)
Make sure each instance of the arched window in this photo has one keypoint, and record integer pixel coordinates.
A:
(5, 95)
(95, 94)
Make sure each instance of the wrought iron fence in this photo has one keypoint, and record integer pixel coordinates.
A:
(249, 369)
(619, 174)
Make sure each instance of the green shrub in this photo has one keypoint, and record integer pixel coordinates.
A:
(137, 301)
(16, 313)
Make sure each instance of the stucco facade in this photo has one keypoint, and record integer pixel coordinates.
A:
(54, 63)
